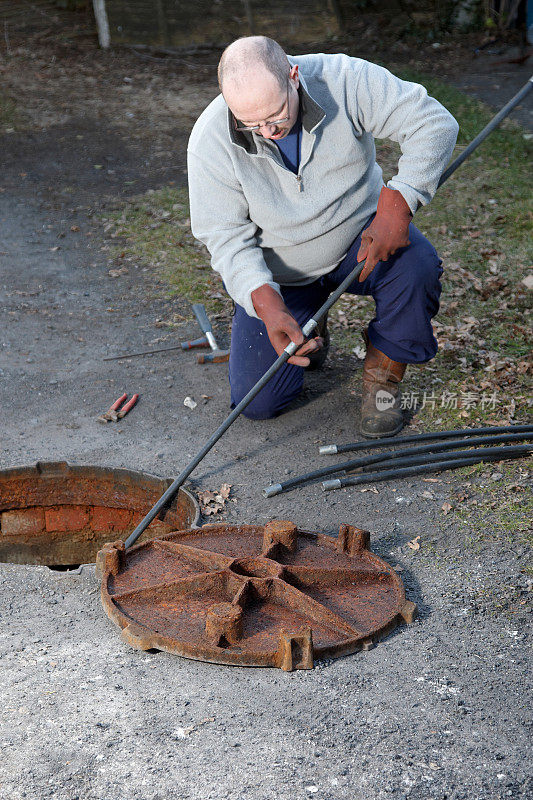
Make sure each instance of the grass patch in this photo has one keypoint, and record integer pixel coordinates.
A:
(155, 230)
(499, 510)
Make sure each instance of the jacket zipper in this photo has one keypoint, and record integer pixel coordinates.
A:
(280, 164)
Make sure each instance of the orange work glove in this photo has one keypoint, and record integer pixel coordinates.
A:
(388, 231)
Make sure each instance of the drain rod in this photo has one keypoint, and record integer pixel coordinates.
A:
(405, 472)
(483, 454)
(332, 449)
(307, 330)
(391, 455)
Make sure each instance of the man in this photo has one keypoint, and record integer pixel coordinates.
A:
(286, 194)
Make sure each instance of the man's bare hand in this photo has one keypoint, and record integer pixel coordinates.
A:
(388, 231)
(281, 326)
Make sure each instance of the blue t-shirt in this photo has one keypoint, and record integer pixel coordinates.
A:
(290, 146)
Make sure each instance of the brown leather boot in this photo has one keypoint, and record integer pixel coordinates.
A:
(380, 406)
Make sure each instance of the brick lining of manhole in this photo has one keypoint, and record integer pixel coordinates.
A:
(60, 515)
(253, 595)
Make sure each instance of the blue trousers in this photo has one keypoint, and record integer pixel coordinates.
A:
(406, 290)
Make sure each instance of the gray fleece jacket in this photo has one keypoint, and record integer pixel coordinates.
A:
(264, 224)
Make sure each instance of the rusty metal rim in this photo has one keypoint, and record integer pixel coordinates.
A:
(137, 636)
(51, 469)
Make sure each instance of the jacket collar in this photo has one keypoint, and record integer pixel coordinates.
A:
(312, 116)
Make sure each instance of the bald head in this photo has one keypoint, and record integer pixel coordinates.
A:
(250, 57)
(259, 86)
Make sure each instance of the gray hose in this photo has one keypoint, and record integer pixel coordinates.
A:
(405, 472)
(365, 461)
(420, 437)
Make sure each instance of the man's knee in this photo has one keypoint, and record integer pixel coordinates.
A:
(425, 267)
(262, 408)
(269, 402)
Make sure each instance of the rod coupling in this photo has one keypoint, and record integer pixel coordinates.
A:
(327, 486)
(274, 489)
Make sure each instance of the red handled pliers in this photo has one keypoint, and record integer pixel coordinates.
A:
(113, 414)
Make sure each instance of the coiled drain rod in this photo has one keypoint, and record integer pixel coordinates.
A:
(332, 449)
(482, 454)
(365, 461)
(437, 466)
(307, 330)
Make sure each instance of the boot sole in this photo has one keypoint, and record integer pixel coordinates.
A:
(387, 435)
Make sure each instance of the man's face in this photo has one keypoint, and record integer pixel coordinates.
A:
(262, 101)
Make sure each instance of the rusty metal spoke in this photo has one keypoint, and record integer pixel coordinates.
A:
(316, 611)
(208, 558)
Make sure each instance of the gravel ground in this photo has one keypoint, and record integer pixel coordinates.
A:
(439, 710)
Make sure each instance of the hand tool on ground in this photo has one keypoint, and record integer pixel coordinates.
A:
(392, 455)
(195, 344)
(332, 449)
(116, 412)
(201, 342)
(218, 355)
(292, 347)
(461, 460)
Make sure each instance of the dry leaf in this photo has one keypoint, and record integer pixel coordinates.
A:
(446, 507)
(414, 544)
(209, 510)
(206, 497)
(213, 502)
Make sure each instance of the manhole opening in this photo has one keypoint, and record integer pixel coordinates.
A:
(59, 516)
(63, 567)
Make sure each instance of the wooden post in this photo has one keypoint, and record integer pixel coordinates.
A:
(102, 23)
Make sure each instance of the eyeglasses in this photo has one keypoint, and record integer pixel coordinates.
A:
(265, 124)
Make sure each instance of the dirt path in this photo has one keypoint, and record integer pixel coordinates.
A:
(436, 711)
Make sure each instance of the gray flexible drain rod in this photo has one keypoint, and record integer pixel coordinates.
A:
(372, 444)
(418, 469)
(390, 456)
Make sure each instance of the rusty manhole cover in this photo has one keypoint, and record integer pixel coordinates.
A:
(60, 515)
(252, 595)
